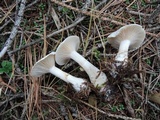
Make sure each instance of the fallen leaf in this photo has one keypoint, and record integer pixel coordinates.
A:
(92, 100)
(155, 97)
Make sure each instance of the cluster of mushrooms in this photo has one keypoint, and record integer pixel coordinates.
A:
(127, 37)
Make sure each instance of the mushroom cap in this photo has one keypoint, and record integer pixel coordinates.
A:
(63, 51)
(43, 65)
(133, 32)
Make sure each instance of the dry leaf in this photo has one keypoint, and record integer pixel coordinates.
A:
(70, 115)
(92, 100)
(155, 98)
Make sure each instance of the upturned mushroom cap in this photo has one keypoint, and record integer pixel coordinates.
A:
(133, 32)
(43, 65)
(47, 65)
(63, 51)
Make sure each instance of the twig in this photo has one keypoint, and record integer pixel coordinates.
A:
(19, 95)
(137, 13)
(23, 111)
(7, 13)
(28, 6)
(7, 85)
(5, 24)
(108, 114)
(77, 21)
(157, 28)
(14, 29)
(98, 15)
(158, 50)
(154, 14)
(153, 105)
(31, 4)
(127, 102)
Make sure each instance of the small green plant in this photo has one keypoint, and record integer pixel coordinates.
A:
(127, 2)
(133, 19)
(6, 67)
(116, 108)
(65, 10)
(148, 61)
(132, 102)
(134, 6)
(121, 107)
(143, 3)
(40, 27)
(97, 54)
(111, 25)
(42, 6)
(36, 24)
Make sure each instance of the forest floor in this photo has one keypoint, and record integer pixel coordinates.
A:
(135, 91)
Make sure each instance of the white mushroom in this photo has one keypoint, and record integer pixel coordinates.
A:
(68, 49)
(127, 37)
(47, 65)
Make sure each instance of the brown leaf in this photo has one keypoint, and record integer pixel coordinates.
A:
(155, 98)
(92, 100)
(70, 115)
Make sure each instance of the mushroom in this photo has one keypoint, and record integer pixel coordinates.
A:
(68, 49)
(47, 65)
(127, 37)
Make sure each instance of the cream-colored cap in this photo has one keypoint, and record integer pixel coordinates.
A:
(63, 51)
(43, 65)
(133, 32)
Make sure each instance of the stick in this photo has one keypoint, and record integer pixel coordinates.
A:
(14, 29)
(108, 114)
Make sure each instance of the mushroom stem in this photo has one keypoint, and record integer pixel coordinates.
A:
(77, 83)
(68, 49)
(97, 77)
(59, 73)
(47, 65)
(122, 54)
